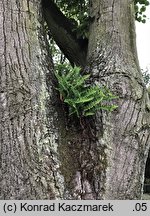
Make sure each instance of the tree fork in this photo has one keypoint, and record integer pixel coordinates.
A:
(62, 30)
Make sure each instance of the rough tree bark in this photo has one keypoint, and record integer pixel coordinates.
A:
(26, 165)
(113, 61)
(44, 153)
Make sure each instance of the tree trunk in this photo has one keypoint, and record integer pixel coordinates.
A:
(125, 133)
(104, 157)
(44, 153)
(28, 121)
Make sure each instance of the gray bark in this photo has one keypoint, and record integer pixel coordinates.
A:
(26, 127)
(126, 131)
(44, 153)
(105, 157)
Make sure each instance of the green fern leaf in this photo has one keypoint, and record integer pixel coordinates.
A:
(84, 99)
(108, 108)
(62, 84)
(89, 113)
(81, 80)
(89, 92)
(74, 92)
(93, 104)
(72, 73)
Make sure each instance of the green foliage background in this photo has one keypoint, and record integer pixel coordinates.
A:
(140, 8)
(78, 12)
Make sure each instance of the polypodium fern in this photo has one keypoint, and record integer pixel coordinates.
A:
(81, 100)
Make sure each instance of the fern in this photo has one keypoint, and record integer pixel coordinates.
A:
(81, 100)
(84, 99)
(93, 104)
(81, 80)
(89, 113)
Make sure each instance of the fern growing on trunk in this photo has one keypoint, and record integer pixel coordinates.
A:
(82, 100)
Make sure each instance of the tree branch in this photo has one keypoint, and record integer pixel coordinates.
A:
(62, 31)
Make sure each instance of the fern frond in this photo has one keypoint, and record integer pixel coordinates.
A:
(73, 74)
(108, 108)
(84, 99)
(89, 92)
(81, 100)
(63, 85)
(69, 75)
(81, 80)
(93, 104)
(74, 92)
(89, 113)
(71, 103)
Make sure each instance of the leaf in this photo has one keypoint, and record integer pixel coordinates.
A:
(93, 104)
(143, 20)
(94, 90)
(72, 72)
(84, 99)
(81, 80)
(143, 9)
(109, 108)
(89, 113)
